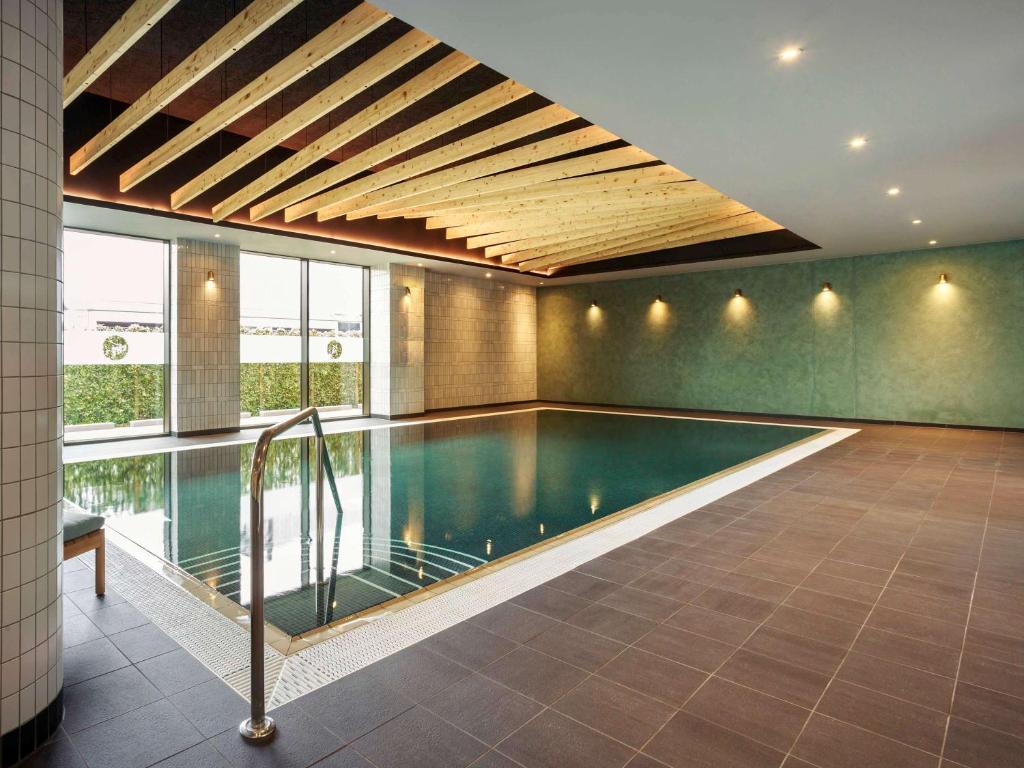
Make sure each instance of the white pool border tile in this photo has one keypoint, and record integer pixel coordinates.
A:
(223, 646)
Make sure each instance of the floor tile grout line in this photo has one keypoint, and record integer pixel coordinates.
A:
(967, 625)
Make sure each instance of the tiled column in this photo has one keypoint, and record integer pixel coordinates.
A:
(31, 112)
(204, 340)
(396, 340)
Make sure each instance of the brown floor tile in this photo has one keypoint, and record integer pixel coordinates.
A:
(764, 589)
(994, 646)
(867, 552)
(653, 675)
(840, 587)
(936, 589)
(876, 576)
(918, 627)
(723, 561)
(900, 720)
(550, 602)
(644, 604)
(469, 645)
(903, 682)
(795, 684)
(735, 604)
(685, 647)
(829, 743)
(418, 737)
(785, 574)
(624, 714)
(552, 740)
(924, 605)
(535, 674)
(975, 746)
(755, 715)
(990, 708)
(993, 674)
(776, 554)
(945, 574)
(576, 646)
(940, 660)
(688, 741)
(844, 609)
(794, 649)
(512, 622)
(582, 585)
(483, 708)
(718, 626)
(814, 626)
(668, 586)
(610, 570)
(635, 557)
(612, 623)
(1010, 624)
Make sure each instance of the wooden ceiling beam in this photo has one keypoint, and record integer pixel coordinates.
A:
(510, 252)
(559, 169)
(257, 16)
(758, 227)
(491, 231)
(742, 224)
(338, 36)
(564, 144)
(465, 112)
(629, 179)
(337, 202)
(419, 86)
(122, 35)
(351, 84)
(628, 238)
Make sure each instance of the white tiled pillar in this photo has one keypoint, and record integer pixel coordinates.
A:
(31, 138)
(205, 367)
(396, 340)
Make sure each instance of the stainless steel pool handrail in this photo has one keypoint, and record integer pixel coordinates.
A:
(259, 726)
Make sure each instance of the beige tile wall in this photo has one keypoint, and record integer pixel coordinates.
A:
(204, 341)
(480, 341)
(396, 340)
(31, 668)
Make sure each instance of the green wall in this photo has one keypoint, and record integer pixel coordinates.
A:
(888, 343)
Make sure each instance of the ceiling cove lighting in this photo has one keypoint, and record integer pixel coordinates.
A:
(943, 278)
(826, 287)
(892, 191)
(858, 142)
(790, 53)
(738, 293)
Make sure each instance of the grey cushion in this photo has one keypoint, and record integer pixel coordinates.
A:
(78, 522)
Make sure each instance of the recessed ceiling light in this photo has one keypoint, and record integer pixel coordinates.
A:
(419, 263)
(893, 191)
(487, 274)
(333, 252)
(916, 221)
(216, 234)
(857, 142)
(933, 242)
(790, 53)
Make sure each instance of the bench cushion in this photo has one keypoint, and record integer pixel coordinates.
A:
(78, 522)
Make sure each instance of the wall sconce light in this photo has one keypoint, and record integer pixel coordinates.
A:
(943, 278)
(737, 294)
(593, 303)
(408, 291)
(658, 299)
(826, 287)
(209, 278)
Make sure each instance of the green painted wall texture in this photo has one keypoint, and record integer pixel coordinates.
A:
(887, 343)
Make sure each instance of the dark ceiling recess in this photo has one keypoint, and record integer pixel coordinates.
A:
(191, 22)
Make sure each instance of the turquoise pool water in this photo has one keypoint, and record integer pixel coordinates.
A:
(421, 502)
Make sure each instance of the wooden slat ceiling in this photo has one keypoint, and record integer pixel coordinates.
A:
(336, 111)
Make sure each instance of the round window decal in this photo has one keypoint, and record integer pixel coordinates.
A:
(115, 347)
(334, 349)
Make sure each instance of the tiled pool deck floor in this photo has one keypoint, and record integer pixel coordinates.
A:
(863, 607)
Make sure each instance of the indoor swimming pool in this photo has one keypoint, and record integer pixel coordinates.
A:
(422, 502)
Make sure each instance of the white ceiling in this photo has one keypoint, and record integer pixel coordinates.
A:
(937, 86)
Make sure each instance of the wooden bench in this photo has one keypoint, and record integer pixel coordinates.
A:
(84, 532)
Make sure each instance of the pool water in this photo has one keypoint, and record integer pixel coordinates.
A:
(421, 502)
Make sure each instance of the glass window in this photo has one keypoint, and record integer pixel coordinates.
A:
(336, 339)
(271, 337)
(115, 347)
